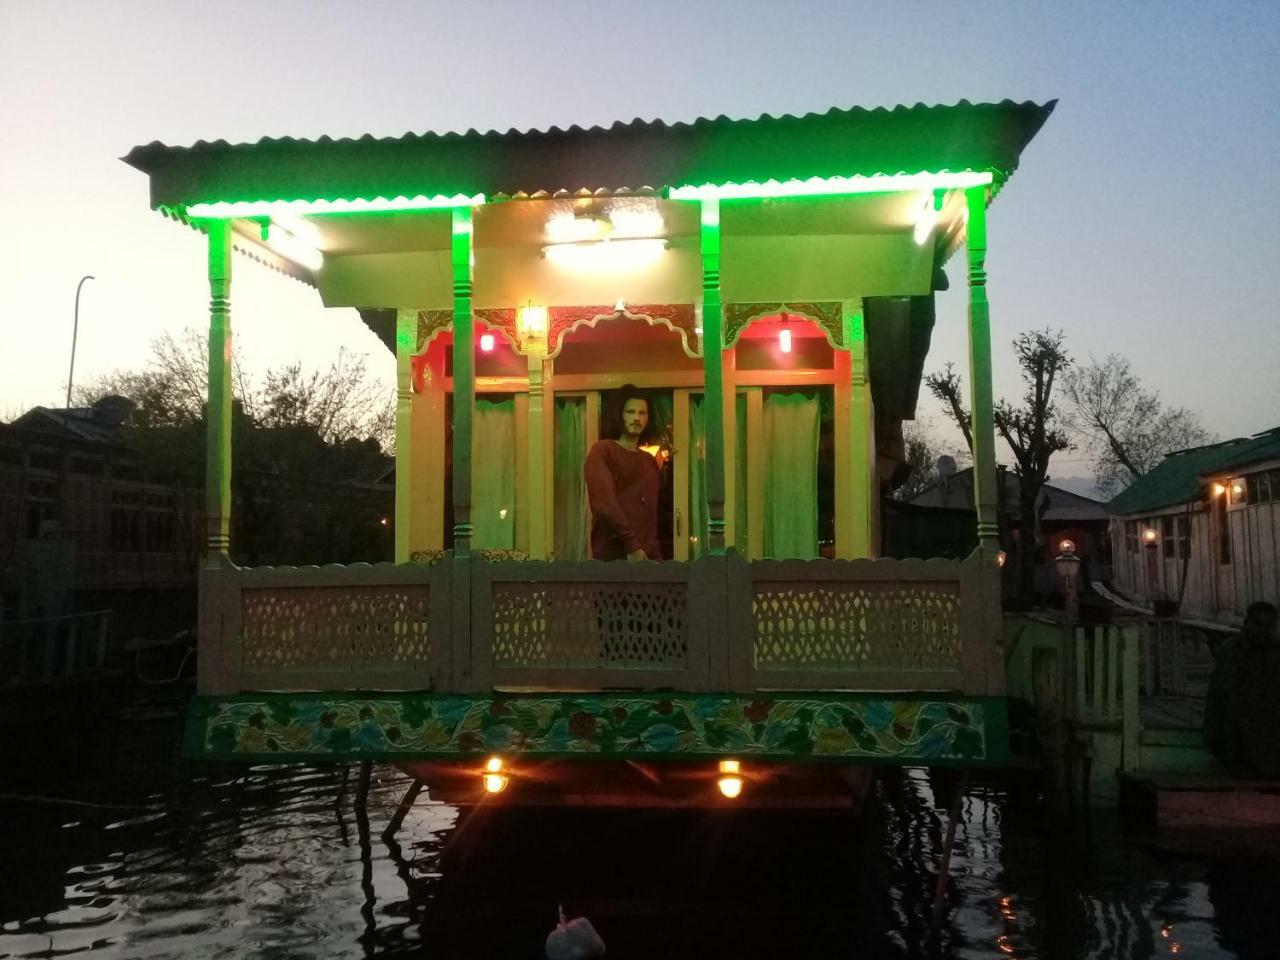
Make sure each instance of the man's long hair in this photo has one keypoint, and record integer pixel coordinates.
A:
(613, 414)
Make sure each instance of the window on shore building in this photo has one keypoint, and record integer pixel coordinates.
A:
(1184, 537)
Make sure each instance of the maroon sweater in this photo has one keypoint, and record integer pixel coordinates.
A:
(622, 488)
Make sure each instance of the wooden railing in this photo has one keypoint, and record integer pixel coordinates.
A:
(53, 649)
(716, 624)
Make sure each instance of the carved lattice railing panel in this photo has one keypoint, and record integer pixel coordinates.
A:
(590, 625)
(857, 625)
(336, 628)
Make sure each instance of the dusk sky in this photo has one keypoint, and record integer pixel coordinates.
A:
(1141, 221)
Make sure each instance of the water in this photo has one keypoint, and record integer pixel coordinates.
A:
(263, 862)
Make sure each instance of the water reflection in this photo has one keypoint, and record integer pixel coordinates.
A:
(269, 862)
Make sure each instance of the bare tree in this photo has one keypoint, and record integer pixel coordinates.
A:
(1129, 430)
(1032, 429)
(342, 403)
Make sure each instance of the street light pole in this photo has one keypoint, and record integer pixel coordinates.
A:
(1068, 566)
(74, 331)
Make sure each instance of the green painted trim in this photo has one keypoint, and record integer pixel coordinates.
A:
(232, 209)
(834, 186)
(817, 727)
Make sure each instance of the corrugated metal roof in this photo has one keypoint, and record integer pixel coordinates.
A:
(1178, 478)
(637, 155)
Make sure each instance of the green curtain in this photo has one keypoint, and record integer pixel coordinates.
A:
(696, 528)
(791, 476)
(493, 474)
(570, 492)
(662, 424)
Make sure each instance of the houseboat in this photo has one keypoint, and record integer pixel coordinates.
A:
(769, 285)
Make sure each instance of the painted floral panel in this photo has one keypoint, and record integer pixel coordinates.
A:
(901, 730)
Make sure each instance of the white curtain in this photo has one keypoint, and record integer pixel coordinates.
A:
(791, 424)
(570, 495)
(493, 474)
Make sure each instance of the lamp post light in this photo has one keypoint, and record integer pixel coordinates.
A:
(75, 329)
(1068, 567)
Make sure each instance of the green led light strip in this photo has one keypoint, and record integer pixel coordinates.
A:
(266, 208)
(820, 186)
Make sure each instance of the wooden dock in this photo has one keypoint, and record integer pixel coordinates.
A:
(1206, 814)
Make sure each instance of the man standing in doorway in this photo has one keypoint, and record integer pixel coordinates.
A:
(623, 485)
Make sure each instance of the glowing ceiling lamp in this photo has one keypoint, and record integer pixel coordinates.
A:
(494, 779)
(629, 222)
(569, 229)
(730, 782)
(486, 342)
(606, 254)
(820, 186)
(224, 210)
(303, 229)
(293, 248)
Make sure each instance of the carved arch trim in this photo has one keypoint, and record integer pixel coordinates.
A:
(432, 323)
(825, 313)
(679, 318)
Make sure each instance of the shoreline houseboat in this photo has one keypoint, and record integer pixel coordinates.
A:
(770, 284)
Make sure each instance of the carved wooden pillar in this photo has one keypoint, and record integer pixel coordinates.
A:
(713, 373)
(540, 530)
(218, 411)
(857, 488)
(464, 380)
(406, 342)
(983, 427)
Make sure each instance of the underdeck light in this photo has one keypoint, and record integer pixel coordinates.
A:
(730, 782)
(494, 781)
(486, 342)
(292, 248)
(818, 186)
(225, 210)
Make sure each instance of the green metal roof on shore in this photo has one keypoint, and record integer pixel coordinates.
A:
(1179, 477)
(640, 155)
